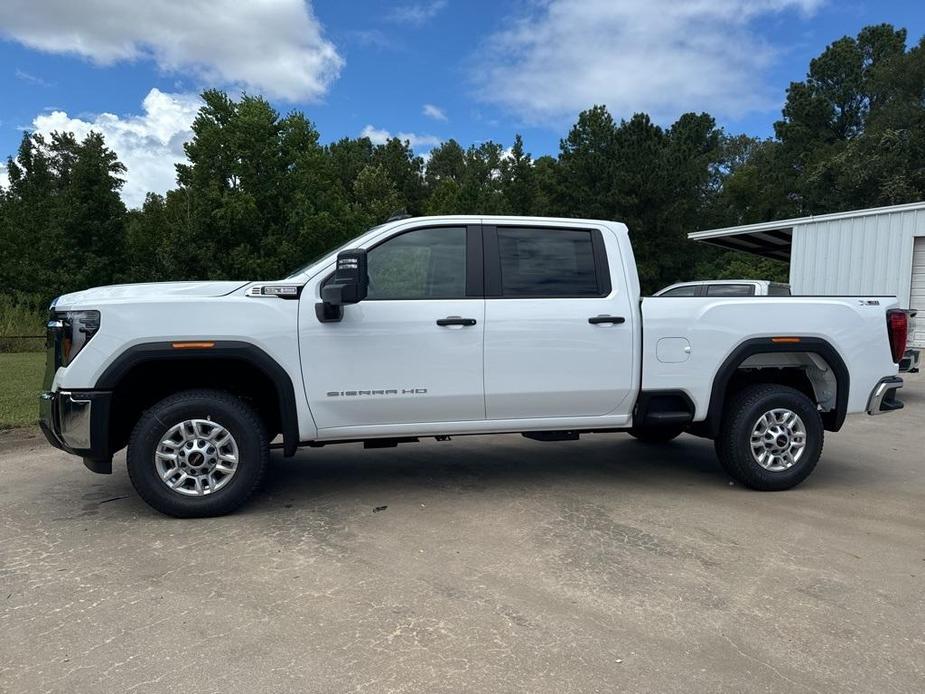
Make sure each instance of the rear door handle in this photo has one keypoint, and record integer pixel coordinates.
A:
(597, 320)
(455, 320)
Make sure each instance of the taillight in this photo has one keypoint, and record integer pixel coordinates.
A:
(897, 324)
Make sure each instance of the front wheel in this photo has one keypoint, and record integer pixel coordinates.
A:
(198, 453)
(771, 437)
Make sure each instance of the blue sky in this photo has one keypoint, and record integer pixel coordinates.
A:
(426, 69)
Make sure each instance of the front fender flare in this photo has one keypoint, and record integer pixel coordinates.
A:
(226, 349)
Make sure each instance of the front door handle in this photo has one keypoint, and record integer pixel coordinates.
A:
(455, 320)
(615, 320)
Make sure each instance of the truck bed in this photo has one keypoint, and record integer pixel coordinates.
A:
(687, 339)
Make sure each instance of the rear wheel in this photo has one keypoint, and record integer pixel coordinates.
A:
(771, 437)
(656, 434)
(198, 453)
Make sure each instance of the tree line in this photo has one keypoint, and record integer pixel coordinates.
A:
(259, 194)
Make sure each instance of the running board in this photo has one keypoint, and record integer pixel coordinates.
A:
(663, 418)
(551, 435)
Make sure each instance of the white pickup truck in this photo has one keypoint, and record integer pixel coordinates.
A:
(726, 288)
(446, 326)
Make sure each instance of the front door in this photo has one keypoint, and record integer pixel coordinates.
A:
(411, 352)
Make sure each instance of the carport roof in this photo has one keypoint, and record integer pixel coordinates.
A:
(773, 239)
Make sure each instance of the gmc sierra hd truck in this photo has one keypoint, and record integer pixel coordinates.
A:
(441, 326)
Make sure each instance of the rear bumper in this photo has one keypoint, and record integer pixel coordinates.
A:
(77, 422)
(883, 397)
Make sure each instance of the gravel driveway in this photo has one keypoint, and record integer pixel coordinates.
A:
(479, 564)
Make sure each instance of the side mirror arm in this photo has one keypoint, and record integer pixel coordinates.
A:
(329, 313)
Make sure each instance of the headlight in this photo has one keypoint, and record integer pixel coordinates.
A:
(77, 329)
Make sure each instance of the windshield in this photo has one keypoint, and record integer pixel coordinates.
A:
(314, 260)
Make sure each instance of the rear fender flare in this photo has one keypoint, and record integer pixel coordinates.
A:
(761, 345)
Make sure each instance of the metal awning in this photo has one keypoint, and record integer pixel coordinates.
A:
(774, 239)
(774, 243)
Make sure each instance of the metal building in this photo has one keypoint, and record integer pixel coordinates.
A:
(875, 251)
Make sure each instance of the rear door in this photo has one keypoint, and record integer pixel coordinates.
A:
(558, 323)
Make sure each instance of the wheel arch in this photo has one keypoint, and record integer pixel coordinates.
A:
(245, 362)
(724, 378)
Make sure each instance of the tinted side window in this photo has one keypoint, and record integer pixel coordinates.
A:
(422, 264)
(682, 291)
(547, 262)
(776, 289)
(730, 290)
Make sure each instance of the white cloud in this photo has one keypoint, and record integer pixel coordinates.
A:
(416, 13)
(4, 177)
(371, 38)
(378, 136)
(434, 112)
(32, 79)
(149, 144)
(659, 56)
(273, 47)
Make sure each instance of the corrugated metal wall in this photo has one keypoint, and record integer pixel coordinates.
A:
(917, 294)
(860, 255)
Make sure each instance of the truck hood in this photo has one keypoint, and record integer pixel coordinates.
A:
(149, 290)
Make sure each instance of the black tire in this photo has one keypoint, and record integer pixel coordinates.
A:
(732, 472)
(733, 446)
(231, 413)
(656, 434)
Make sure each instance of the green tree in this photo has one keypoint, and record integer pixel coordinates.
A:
(657, 181)
(518, 180)
(447, 162)
(587, 167)
(259, 195)
(377, 197)
(547, 200)
(405, 170)
(480, 191)
(148, 236)
(851, 135)
(63, 220)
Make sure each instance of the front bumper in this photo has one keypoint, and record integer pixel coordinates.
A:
(883, 397)
(77, 422)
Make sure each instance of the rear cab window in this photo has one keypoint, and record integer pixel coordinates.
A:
(688, 290)
(730, 290)
(540, 262)
(778, 289)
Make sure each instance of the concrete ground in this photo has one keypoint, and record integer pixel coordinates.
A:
(491, 564)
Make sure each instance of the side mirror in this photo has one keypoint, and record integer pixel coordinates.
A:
(348, 285)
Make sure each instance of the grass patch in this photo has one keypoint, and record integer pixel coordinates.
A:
(20, 384)
(19, 318)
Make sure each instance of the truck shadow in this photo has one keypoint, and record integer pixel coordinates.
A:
(496, 460)
(504, 464)
(911, 397)
(512, 466)
(507, 467)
